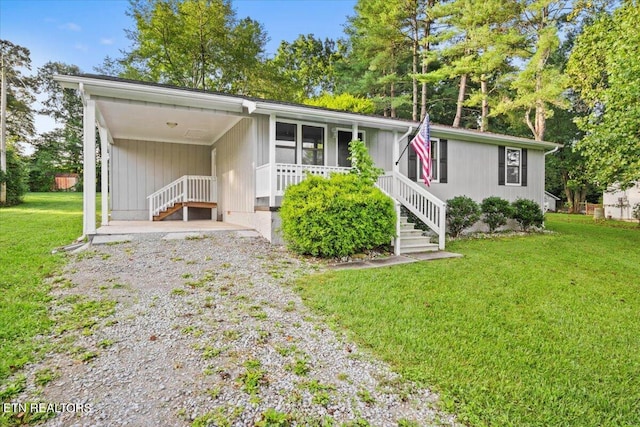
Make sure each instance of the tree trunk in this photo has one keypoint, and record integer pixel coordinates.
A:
(461, 93)
(484, 121)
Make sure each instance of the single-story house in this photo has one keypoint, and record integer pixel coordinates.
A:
(550, 202)
(619, 204)
(231, 157)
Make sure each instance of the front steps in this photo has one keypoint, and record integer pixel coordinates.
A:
(412, 239)
(179, 205)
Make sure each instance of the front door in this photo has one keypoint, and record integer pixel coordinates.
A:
(344, 138)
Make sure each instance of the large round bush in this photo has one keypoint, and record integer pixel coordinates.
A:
(338, 216)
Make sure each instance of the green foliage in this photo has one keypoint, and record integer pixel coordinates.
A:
(504, 339)
(29, 232)
(605, 70)
(20, 92)
(636, 212)
(338, 216)
(192, 43)
(306, 64)
(462, 212)
(527, 213)
(495, 212)
(362, 163)
(15, 178)
(273, 418)
(343, 102)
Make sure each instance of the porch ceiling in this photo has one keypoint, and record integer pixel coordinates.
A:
(154, 122)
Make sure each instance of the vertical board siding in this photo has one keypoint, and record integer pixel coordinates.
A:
(142, 167)
(235, 167)
(262, 135)
(473, 171)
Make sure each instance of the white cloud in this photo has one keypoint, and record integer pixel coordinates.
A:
(81, 47)
(106, 42)
(71, 26)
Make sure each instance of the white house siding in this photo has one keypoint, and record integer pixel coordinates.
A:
(236, 153)
(473, 172)
(619, 204)
(380, 146)
(139, 168)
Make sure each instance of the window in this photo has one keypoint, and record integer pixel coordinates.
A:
(438, 162)
(513, 166)
(286, 136)
(299, 141)
(312, 145)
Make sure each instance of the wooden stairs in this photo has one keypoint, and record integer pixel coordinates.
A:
(179, 205)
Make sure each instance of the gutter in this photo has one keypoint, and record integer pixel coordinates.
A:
(552, 151)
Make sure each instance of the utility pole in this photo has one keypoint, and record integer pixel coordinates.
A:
(3, 131)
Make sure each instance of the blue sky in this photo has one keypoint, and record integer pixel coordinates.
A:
(84, 32)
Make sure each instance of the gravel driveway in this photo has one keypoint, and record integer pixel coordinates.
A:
(207, 331)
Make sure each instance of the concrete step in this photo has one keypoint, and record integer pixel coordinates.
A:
(419, 249)
(410, 232)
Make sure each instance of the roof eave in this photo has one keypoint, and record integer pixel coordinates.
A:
(489, 138)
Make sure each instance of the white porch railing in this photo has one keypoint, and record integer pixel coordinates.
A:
(273, 179)
(424, 205)
(188, 188)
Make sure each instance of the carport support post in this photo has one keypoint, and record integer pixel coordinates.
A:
(89, 173)
(104, 174)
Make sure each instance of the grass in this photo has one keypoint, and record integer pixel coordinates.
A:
(28, 234)
(538, 330)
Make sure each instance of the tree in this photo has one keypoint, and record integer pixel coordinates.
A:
(307, 65)
(540, 84)
(61, 149)
(479, 42)
(17, 114)
(191, 43)
(15, 178)
(343, 102)
(604, 67)
(379, 53)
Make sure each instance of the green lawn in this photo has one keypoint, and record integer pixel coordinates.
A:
(28, 233)
(542, 330)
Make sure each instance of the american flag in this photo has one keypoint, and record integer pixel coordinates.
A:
(421, 143)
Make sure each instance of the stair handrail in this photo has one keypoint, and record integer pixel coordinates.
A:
(420, 202)
(166, 196)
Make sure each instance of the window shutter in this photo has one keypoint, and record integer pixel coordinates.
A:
(412, 165)
(501, 165)
(523, 178)
(443, 161)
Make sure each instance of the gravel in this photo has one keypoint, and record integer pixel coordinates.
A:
(207, 330)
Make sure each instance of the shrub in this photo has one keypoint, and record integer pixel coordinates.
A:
(495, 212)
(15, 177)
(636, 212)
(338, 216)
(527, 213)
(462, 212)
(362, 163)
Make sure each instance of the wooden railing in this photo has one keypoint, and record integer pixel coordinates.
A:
(188, 188)
(424, 205)
(272, 180)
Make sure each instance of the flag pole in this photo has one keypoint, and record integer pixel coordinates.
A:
(405, 149)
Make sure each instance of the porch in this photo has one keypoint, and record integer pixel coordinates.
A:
(147, 227)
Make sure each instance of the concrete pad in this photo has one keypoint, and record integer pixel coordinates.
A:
(394, 260)
(248, 233)
(110, 239)
(182, 236)
(431, 256)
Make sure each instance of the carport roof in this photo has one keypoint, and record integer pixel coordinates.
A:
(130, 108)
